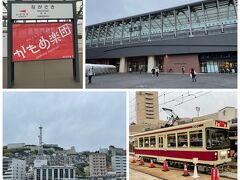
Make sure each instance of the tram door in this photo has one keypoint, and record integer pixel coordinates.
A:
(160, 147)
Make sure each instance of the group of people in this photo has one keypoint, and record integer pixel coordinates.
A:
(155, 72)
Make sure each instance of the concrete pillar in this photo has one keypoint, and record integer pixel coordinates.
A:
(123, 65)
(151, 63)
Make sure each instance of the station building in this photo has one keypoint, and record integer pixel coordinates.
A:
(200, 35)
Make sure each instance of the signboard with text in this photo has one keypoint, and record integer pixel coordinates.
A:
(41, 11)
(42, 30)
(42, 41)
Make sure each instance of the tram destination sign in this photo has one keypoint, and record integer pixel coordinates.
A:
(21, 11)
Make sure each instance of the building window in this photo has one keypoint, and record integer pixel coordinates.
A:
(49, 174)
(160, 142)
(61, 173)
(38, 174)
(152, 141)
(55, 173)
(182, 140)
(146, 142)
(196, 138)
(171, 140)
(44, 174)
(66, 173)
(71, 173)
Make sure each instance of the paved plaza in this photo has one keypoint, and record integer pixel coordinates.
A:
(145, 80)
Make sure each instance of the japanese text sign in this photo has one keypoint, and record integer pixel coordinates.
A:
(42, 11)
(42, 41)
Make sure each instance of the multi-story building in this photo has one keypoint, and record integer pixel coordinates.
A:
(147, 108)
(119, 164)
(97, 164)
(14, 169)
(54, 172)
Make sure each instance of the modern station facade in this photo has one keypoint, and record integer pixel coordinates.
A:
(201, 35)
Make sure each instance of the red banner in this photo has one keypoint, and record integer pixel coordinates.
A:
(42, 41)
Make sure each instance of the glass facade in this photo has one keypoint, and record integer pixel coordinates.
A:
(224, 62)
(198, 19)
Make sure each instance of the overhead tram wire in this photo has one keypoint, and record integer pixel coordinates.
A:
(190, 99)
(184, 95)
(196, 96)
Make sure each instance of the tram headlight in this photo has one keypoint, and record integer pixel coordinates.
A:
(228, 153)
(216, 155)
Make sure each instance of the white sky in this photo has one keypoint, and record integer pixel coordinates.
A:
(209, 103)
(86, 120)
(104, 10)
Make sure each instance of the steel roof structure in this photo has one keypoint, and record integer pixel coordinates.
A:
(209, 17)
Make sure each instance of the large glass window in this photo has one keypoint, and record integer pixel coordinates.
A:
(160, 142)
(196, 138)
(66, 173)
(182, 140)
(55, 173)
(217, 138)
(146, 142)
(49, 174)
(71, 173)
(152, 141)
(171, 140)
(140, 142)
(38, 174)
(61, 173)
(44, 177)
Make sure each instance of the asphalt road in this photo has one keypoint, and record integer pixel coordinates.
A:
(144, 80)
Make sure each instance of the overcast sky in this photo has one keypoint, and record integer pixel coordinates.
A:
(86, 120)
(208, 101)
(104, 10)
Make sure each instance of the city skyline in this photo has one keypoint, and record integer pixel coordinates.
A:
(69, 119)
(123, 8)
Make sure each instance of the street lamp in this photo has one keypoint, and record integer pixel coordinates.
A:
(198, 110)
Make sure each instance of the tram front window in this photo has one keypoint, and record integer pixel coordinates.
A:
(217, 138)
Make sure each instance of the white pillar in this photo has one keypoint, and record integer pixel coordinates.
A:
(46, 174)
(151, 63)
(123, 65)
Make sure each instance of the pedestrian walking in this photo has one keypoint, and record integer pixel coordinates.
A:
(90, 74)
(140, 69)
(157, 71)
(193, 75)
(183, 70)
(130, 69)
(153, 72)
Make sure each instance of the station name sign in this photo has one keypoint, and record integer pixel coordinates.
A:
(42, 11)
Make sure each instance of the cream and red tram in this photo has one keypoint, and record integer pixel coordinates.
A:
(206, 140)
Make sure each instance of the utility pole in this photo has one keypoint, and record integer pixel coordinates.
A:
(198, 110)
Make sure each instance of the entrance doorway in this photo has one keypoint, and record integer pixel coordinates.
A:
(136, 64)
